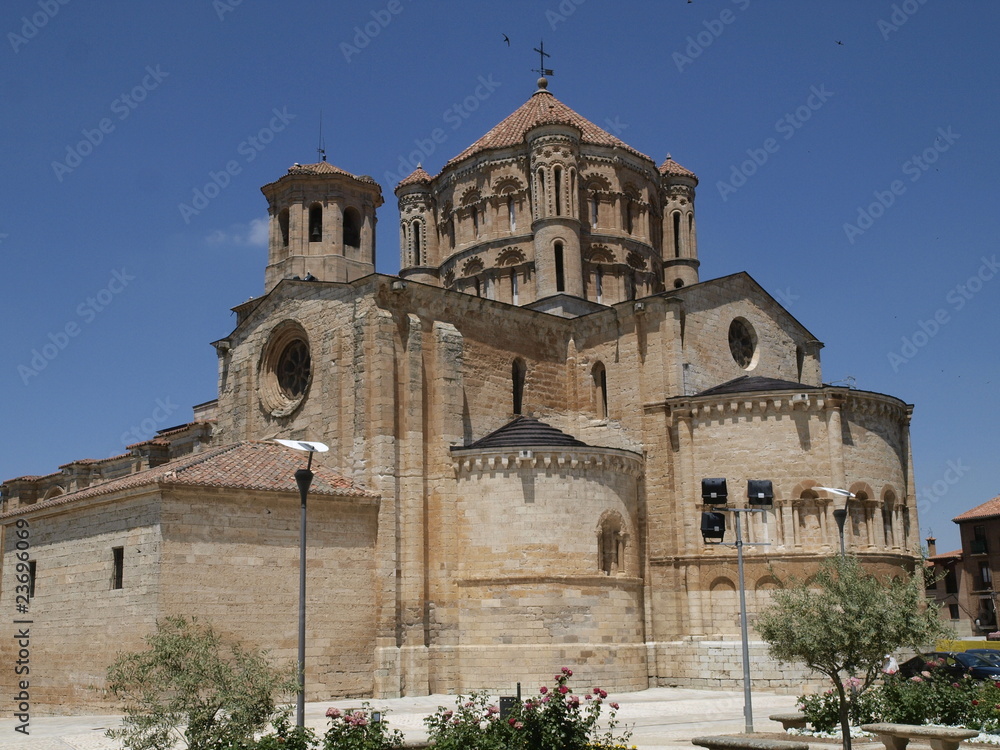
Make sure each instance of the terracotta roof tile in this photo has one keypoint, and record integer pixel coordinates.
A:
(946, 555)
(254, 465)
(417, 176)
(671, 167)
(989, 509)
(541, 109)
(325, 168)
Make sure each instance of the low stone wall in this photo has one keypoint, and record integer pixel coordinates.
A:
(703, 663)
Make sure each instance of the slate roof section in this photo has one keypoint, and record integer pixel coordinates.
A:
(256, 465)
(989, 509)
(541, 109)
(751, 383)
(524, 432)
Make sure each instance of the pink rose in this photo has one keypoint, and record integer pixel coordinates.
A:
(614, 705)
(567, 671)
(333, 713)
(563, 689)
(543, 690)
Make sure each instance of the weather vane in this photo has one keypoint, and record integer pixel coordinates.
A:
(321, 151)
(542, 54)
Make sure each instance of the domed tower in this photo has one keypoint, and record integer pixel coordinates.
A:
(418, 237)
(549, 211)
(322, 223)
(555, 207)
(680, 242)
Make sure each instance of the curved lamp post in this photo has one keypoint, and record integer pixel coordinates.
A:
(303, 478)
(840, 514)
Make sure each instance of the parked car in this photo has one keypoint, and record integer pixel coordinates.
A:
(989, 654)
(955, 663)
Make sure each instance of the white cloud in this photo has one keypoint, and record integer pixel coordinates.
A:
(253, 234)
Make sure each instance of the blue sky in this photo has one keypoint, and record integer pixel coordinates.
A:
(847, 153)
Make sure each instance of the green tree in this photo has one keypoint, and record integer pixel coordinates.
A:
(191, 686)
(844, 621)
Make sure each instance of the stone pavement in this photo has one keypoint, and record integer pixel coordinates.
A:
(659, 718)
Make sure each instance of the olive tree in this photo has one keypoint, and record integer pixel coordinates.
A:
(191, 687)
(844, 621)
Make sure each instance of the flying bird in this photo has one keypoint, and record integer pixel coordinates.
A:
(840, 43)
(506, 39)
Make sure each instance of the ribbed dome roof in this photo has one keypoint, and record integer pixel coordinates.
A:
(524, 432)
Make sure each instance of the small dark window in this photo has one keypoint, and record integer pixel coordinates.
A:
(32, 571)
(283, 226)
(352, 228)
(601, 389)
(118, 560)
(677, 235)
(557, 182)
(416, 243)
(560, 281)
(315, 223)
(953, 611)
(518, 371)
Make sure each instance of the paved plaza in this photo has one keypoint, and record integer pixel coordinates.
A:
(659, 718)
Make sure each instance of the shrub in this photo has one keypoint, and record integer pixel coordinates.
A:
(191, 686)
(822, 710)
(357, 730)
(555, 719)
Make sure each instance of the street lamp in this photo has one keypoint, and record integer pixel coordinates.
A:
(713, 526)
(303, 478)
(840, 514)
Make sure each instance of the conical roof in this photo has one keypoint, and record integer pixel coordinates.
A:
(671, 167)
(541, 109)
(524, 432)
(416, 177)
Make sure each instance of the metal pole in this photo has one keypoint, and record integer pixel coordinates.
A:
(303, 478)
(747, 704)
(840, 516)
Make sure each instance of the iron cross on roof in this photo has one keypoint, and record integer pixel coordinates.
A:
(542, 54)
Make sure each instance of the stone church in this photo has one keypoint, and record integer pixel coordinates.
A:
(519, 424)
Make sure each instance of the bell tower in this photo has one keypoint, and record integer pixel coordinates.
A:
(321, 224)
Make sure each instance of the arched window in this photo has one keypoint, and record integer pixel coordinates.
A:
(599, 282)
(888, 506)
(513, 286)
(600, 375)
(511, 214)
(677, 234)
(594, 203)
(415, 228)
(629, 284)
(315, 223)
(283, 226)
(475, 222)
(611, 545)
(629, 216)
(541, 193)
(560, 280)
(557, 174)
(352, 227)
(518, 373)
(478, 285)
(690, 237)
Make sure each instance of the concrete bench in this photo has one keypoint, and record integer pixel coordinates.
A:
(790, 721)
(895, 736)
(747, 743)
